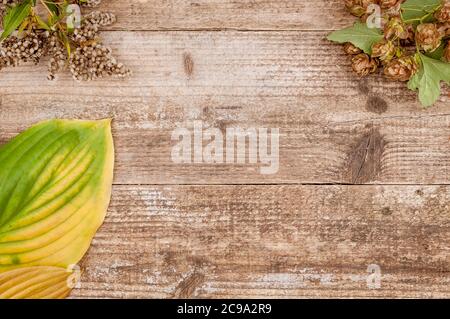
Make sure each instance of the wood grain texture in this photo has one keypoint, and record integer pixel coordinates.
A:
(294, 81)
(254, 63)
(270, 241)
(228, 14)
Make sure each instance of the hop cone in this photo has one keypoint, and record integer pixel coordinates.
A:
(358, 7)
(447, 52)
(428, 37)
(401, 69)
(443, 14)
(363, 65)
(350, 49)
(384, 50)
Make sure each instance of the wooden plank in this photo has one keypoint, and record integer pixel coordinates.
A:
(271, 241)
(228, 14)
(334, 127)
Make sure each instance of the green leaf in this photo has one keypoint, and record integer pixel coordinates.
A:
(428, 79)
(437, 54)
(360, 35)
(42, 23)
(419, 10)
(55, 187)
(53, 8)
(14, 18)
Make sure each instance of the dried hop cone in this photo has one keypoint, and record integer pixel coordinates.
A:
(443, 14)
(447, 52)
(350, 49)
(363, 65)
(401, 69)
(387, 4)
(358, 7)
(428, 37)
(94, 61)
(397, 29)
(384, 50)
(444, 28)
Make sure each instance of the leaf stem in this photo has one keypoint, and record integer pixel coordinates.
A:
(46, 7)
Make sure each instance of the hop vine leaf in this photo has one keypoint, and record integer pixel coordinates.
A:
(360, 35)
(416, 11)
(428, 79)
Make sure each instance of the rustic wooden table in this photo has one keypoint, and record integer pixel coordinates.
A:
(364, 170)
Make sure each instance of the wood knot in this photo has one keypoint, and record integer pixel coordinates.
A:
(376, 104)
(363, 162)
(363, 87)
(188, 64)
(187, 286)
(386, 211)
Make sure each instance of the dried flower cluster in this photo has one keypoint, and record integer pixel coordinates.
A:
(410, 36)
(78, 50)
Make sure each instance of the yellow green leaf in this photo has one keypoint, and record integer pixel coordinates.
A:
(55, 187)
(37, 282)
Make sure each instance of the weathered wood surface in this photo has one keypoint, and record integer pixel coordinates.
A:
(294, 81)
(271, 241)
(228, 14)
(268, 66)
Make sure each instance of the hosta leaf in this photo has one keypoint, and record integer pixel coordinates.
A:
(360, 35)
(35, 283)
(55, 187)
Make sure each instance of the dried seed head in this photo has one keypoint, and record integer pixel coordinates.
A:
(89, 29)
(100, 18)
(350, 49)
(363, 65)
(58, 56)
(443, 14)
(428, 37)
(384, 50)
(89, 3)
(29, 48)
(401, 69)
(86, 32)
(94, 61)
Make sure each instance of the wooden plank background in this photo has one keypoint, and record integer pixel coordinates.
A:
(364, 170)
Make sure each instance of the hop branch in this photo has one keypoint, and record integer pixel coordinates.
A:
(28, 36)
(412, 42)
